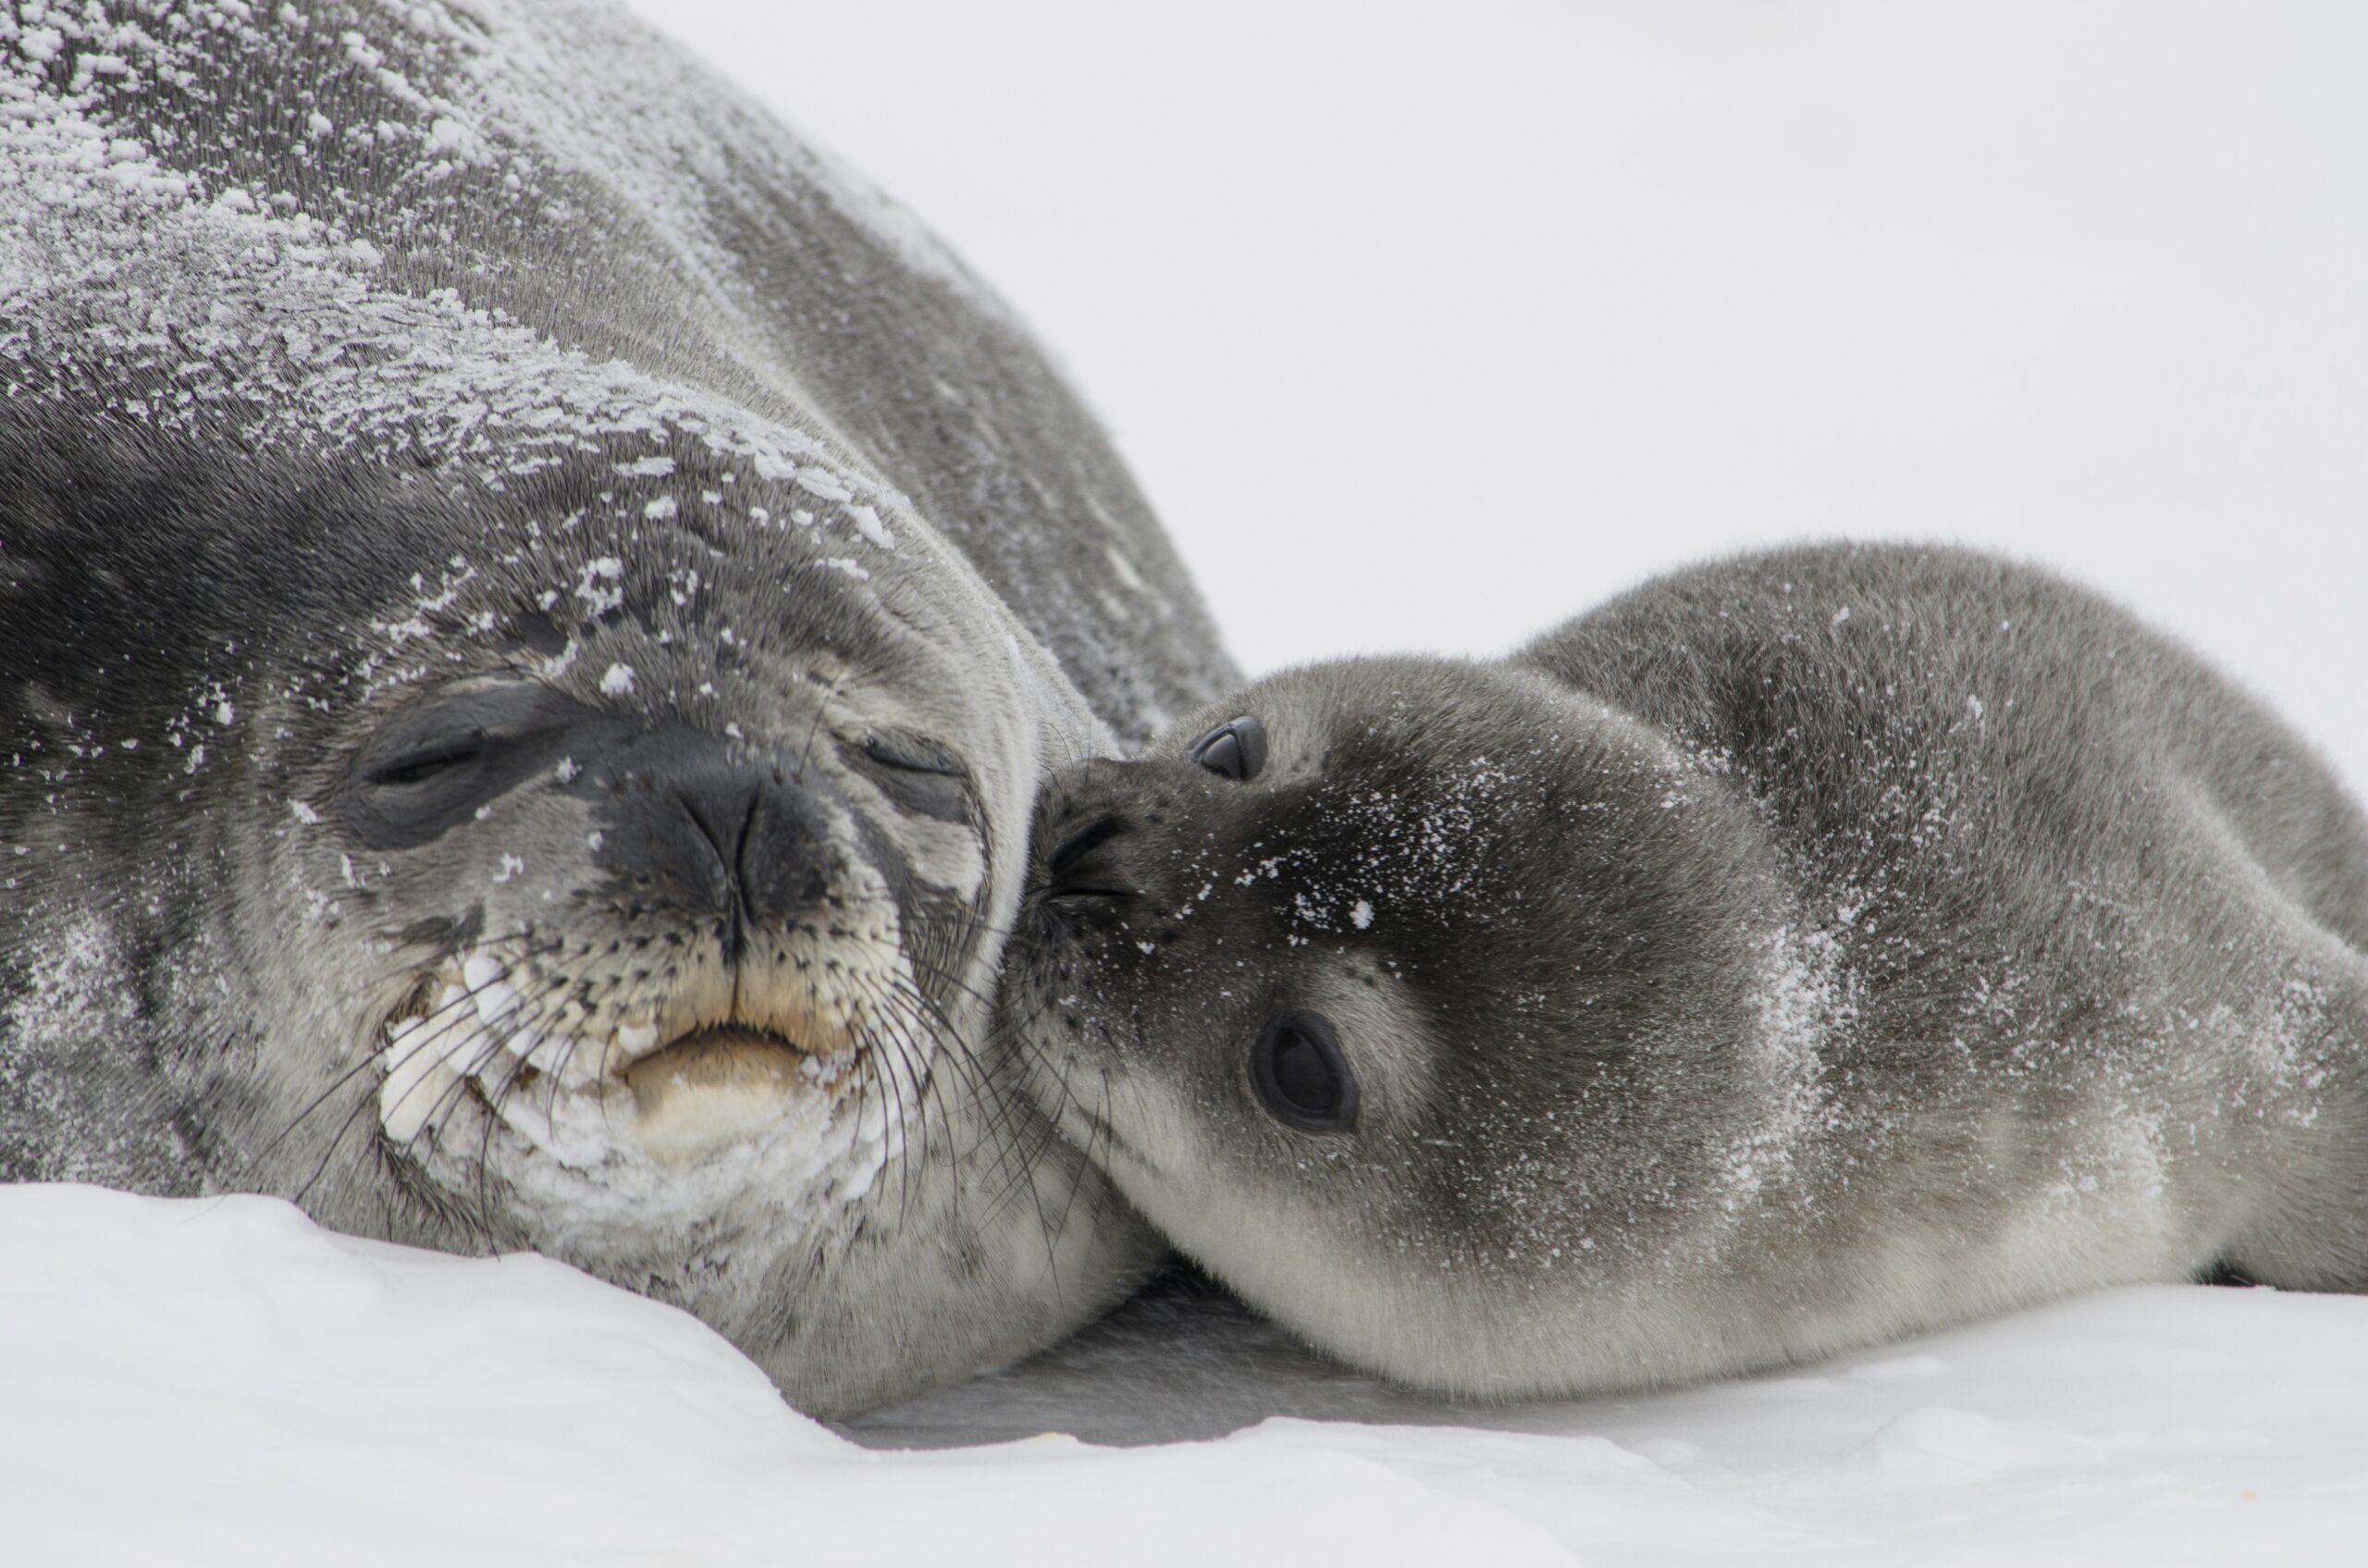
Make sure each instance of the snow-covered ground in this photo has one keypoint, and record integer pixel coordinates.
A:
(1426, 334)
(219, 1381)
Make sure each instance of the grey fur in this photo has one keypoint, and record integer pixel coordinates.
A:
(373, 366)
(1794, 953)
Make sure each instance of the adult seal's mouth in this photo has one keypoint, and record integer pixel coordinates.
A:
(580, 1096)
(720, 1086)
(532, 635)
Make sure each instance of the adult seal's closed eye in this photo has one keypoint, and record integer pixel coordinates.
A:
(534, 611)
(1795, 953)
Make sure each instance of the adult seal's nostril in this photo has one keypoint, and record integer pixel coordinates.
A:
(784, 847)
(724, 823)
(717, 836)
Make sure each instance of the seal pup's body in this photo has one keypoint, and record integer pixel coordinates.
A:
(1795, 953)
(533, 609)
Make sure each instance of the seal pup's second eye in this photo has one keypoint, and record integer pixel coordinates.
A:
(1301, 1076)
(1236, 748)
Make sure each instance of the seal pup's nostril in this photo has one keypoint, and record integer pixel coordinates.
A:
(1083, 841)
(1076, 870)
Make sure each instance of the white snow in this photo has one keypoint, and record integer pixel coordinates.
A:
(211, 1381)
(867, 522)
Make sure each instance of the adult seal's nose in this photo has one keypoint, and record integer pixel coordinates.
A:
(719, 833)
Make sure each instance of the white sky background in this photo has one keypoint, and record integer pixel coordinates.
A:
(1426, 328)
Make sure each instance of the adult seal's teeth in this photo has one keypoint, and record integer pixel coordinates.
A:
(417, 1080)
(497, 1001)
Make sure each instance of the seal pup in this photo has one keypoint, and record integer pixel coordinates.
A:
(1794, 953)
(535, 610)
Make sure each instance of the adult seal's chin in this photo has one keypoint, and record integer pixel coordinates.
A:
(719, 1087)
(491, 754)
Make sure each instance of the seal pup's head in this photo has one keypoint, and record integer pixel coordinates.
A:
(1428, 1003)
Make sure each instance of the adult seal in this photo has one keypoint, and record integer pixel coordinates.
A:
(536, 609)
(1795, 953)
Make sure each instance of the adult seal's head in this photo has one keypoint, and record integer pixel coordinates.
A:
(529, 656)
(1794, 954)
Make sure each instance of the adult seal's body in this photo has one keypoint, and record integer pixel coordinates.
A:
(1792, 954)
(535, 610)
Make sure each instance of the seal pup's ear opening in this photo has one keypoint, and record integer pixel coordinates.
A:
(1301, 1075)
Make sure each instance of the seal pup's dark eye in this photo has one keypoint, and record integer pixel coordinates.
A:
(1236, 748)
(1301, 1075)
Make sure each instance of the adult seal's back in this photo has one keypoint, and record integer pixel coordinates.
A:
(1796, 952)
(535, 609)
